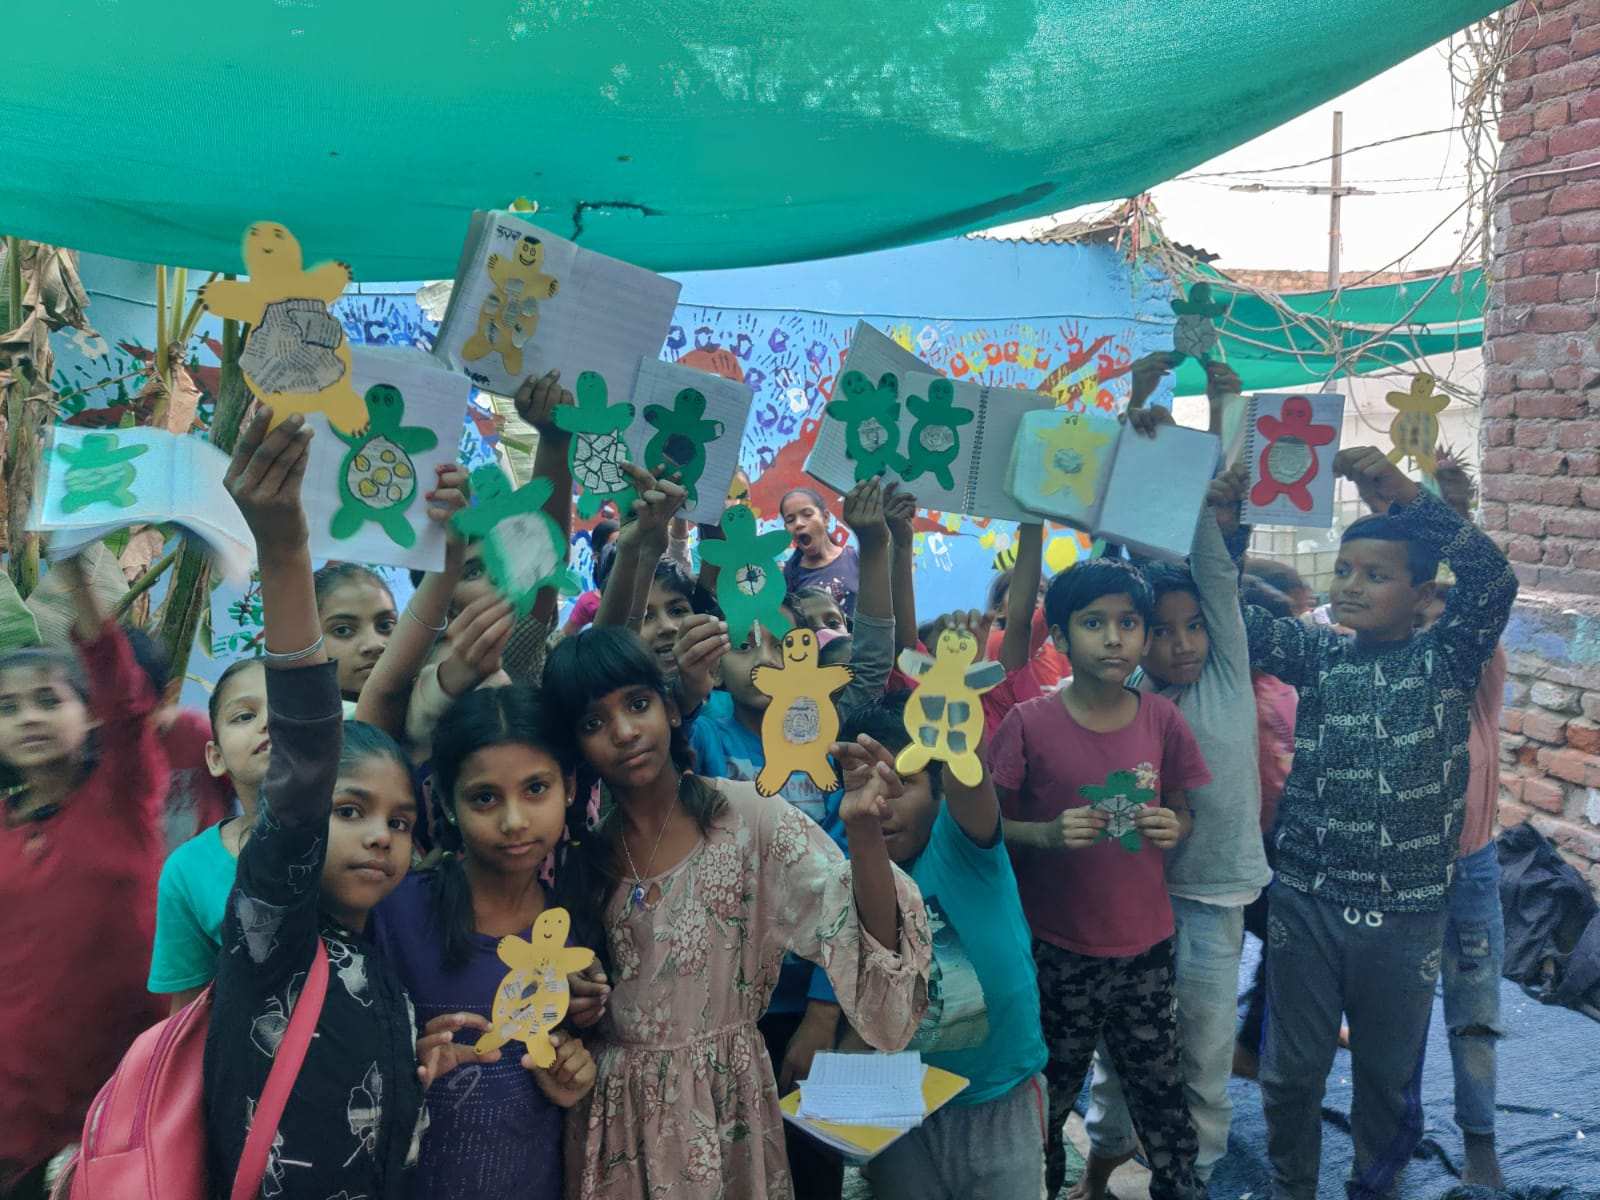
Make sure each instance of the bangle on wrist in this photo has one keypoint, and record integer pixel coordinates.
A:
(433, 629)
(275, 659)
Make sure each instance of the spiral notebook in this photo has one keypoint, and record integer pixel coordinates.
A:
(951, 449)
(1290, 440)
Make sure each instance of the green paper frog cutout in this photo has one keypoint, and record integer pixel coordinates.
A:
(871, 417)
(598, 449)
(99, 471)
(1195, 334)
(524, 549)
(377, 479)
(934, 443)
(1122, 797)
(750, 587)
(680, 441)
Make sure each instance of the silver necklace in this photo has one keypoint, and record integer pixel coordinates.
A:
(636, 896)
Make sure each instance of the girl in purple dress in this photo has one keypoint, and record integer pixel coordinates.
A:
(504, 792)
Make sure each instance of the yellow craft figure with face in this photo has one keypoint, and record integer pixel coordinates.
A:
(944, 716)
(509, 315)
(801, 722)
(533, 998)
(296, 359)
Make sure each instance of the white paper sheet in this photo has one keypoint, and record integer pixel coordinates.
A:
(726, 402)
(605, 316)
(1157, 490)
(865, 1089)
(1276, 443)
(177, 478)
(435, 399)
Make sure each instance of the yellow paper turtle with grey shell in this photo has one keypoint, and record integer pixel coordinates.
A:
(944, 715)
(801, 723)
(533, 998)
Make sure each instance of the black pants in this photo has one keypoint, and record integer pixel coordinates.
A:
(1255, 921)
(817, 1171)
(1128, 1002)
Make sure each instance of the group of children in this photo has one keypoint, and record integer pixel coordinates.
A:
(405, 788)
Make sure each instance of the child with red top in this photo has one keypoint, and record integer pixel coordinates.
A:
(80, 850)
(1093, 783)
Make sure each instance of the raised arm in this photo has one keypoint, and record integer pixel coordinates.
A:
(537, 401)
(900, 510)
(1022, 597)
(1217, 578)
(640, 545)
(872, 640)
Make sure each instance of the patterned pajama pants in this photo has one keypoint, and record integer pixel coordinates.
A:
(1129, 1003)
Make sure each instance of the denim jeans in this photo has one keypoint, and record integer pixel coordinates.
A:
(1474, 953)
(1209, 941)
(1379, 969)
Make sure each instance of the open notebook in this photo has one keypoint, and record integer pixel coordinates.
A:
(693, 421)
(948, 441)
(97, 481)
(858, 1143)
(1094, 473)
(526, 301)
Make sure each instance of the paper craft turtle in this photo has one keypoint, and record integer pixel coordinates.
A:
(597, 450)
(378, 480)
(533, 997)
(1415, 428)
(871, 417)
(296, 359)
(523, 548)
(944, 716)
(750, 586)
(1122, 796)
(99, 471)
(1071, 450)
(934, 443)
(801, 722)
(1289, 459)
(679, 444)
(1195, 335)
(509, 314)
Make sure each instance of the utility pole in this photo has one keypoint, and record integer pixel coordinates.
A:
(1335, 191)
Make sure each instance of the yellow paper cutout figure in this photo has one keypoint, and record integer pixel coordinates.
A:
(944, 715)
(509, 315)
(532, 999)
(801, 722)
(1071, 459)
(297, 359)
(1415, 428)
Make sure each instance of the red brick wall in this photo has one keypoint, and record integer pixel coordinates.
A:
(1541, 421)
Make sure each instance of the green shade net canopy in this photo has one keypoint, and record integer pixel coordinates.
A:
(1375, 328)
(677, 135)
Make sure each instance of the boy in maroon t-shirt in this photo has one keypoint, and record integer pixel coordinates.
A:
(1093, 783)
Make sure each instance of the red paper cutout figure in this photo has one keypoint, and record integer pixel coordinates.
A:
(1289, 459)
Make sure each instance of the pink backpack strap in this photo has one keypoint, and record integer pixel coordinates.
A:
(280, 1080)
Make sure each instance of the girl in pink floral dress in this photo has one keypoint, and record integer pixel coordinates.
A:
(695, 889)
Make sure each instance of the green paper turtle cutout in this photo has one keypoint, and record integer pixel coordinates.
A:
(1195, 334)
(871, 417)
(750, 586)
(597, 450)
(524, 549)
(377, 479)
(99, 471)
(1122, 797)
(934, 443)
(679, 445)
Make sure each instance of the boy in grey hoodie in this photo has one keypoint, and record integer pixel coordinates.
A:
(1198, 657)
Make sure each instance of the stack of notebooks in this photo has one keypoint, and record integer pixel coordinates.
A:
(860, 1104)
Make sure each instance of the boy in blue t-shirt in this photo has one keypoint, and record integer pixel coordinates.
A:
(983, 997)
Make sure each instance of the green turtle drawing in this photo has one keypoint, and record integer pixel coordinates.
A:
(524, 549)
(377, 479)
(934, 443)
(597, 450)
(1195, 335)
(944, 716)
(1122, 796)
(680, 441)
(871, 417)
(99, 471)
(750, 587)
